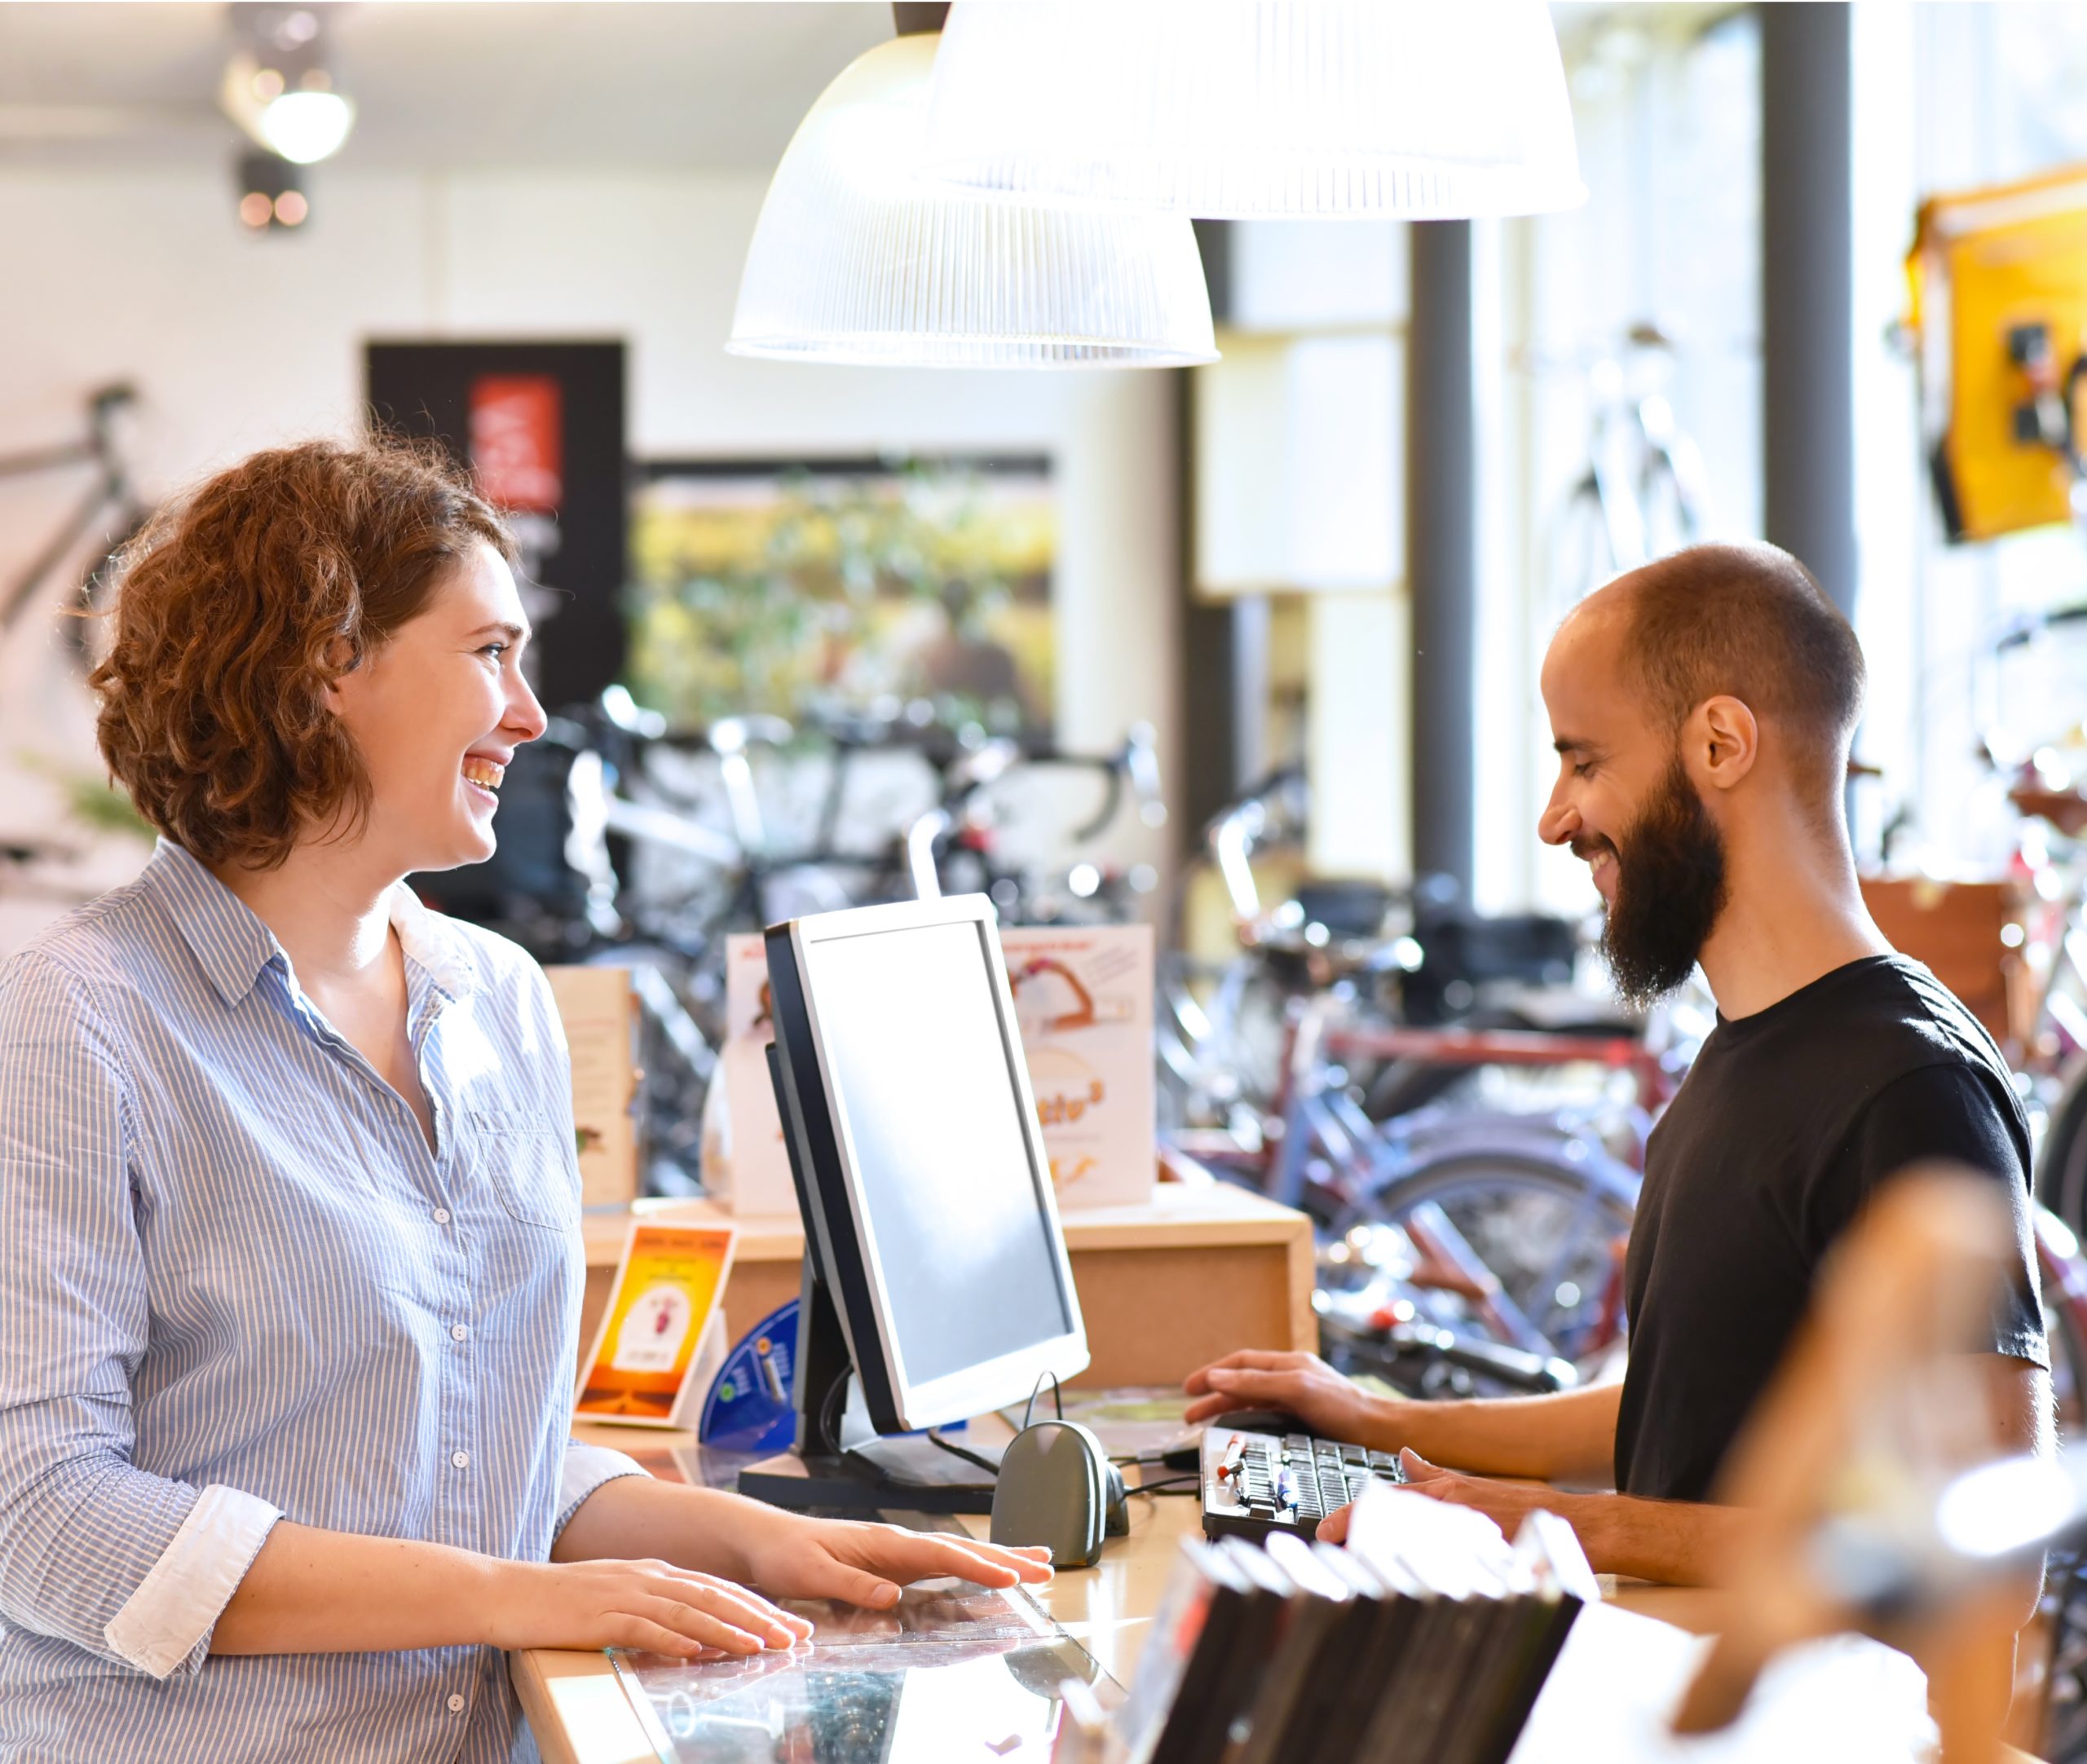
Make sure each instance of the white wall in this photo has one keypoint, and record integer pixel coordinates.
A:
(238, 341)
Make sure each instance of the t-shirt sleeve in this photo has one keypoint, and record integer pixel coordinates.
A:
(1948, 1112)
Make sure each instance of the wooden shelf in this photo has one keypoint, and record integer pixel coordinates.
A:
(1164, 1287)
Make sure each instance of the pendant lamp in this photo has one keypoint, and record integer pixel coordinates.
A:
(854, 258)
(1249, 109)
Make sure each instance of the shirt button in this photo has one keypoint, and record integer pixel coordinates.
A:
(459, 1332)
(456, 1704)
(442, 1215)
(462, 1460)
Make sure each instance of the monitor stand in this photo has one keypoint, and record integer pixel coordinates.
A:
(843, 1464)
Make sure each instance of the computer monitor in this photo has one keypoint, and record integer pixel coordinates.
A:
(936, 1271)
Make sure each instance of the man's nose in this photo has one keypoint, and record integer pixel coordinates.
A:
(1558, 823)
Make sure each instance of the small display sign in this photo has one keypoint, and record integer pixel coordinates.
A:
(642, 1366)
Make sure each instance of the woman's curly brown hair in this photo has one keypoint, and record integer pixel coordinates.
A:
(240, 604)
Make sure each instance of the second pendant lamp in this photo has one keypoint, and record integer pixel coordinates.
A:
(1243, 109)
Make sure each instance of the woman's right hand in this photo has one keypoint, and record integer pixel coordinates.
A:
(650, 1605)
(1303, 1385)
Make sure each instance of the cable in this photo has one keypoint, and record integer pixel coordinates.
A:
(964, 1452)
(1057, 1395)
(829, 1431)
(1168, 1485)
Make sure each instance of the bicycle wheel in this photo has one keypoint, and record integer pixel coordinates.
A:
(1550, 1228)
(2062, 1274)
(2061, 1174)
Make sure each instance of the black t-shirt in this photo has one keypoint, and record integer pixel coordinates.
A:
(1787, 1121)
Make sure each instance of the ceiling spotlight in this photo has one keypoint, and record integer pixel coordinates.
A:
(271, 195)
(278, 87)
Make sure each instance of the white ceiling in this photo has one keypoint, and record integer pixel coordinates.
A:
(438, 84)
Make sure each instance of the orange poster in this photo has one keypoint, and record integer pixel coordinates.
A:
(668, 1283)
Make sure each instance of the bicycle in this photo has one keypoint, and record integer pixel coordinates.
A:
(1413, 956)
(1645, 490)
(958, 846)
(110, 501)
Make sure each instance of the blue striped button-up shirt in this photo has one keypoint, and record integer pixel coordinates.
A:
(235, 1284)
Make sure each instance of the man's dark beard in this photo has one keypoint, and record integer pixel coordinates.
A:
(1670, 890)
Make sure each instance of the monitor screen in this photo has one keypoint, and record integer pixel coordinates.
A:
(921, 1071)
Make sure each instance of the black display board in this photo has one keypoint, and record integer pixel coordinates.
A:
(541, 426)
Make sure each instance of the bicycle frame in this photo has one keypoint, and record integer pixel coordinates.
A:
(111, 490)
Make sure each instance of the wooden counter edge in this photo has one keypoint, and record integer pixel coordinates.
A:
(1199, 1220)
(566, 1694)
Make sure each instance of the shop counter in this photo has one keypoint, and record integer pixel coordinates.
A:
(580, 1714)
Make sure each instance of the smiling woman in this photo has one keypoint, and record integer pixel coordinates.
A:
(245, 607)
(286, 1373)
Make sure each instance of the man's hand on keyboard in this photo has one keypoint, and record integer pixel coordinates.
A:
(1303, 1385)
(1506, 1504)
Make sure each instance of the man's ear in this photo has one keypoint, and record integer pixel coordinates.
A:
(1722, 741)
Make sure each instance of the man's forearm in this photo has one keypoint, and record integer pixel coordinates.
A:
(1571, 1434)
(1681, 1543)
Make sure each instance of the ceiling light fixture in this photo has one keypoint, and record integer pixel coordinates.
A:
(855, 260)
(1245, 109)
(271, 197)
(278, 87)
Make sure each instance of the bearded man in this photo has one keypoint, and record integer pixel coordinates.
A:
(1701, 709)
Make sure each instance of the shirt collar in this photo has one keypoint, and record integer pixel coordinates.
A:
(232, 944)
(430, 940)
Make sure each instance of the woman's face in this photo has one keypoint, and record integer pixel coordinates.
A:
(437, 712)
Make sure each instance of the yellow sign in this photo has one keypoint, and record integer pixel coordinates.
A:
(1998, 278)
(670, 1281)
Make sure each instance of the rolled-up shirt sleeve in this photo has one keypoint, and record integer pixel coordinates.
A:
(587, 1467)
(132, 1567)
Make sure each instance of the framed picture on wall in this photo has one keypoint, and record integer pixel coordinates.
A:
(810, 587)
(541, 426)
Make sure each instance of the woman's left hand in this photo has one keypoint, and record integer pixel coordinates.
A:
(802, 1557)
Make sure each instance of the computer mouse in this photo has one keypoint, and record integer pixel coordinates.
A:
(1117, 1517)
(1053, 1490)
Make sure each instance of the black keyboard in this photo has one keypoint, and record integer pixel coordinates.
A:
(1254, 1484)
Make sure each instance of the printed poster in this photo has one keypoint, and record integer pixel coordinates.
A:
(745, 1162)
(600, 1018)
(1083, 1001)
(1083, 998)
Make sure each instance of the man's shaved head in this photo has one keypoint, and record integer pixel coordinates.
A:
(1750, 622)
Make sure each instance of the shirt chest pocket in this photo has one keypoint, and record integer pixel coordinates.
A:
(531, 1165)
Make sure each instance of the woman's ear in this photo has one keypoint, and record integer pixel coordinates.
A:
(340, 656)
(1724, 741)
